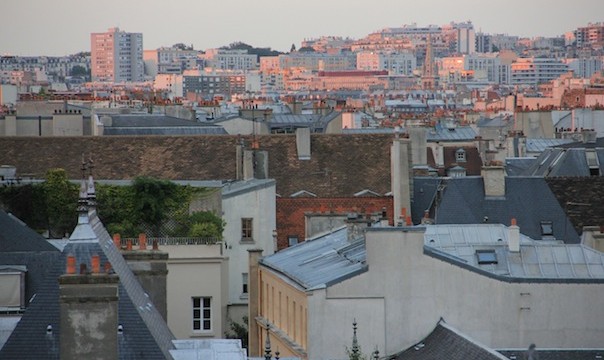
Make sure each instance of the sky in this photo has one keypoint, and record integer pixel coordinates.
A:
(63, 27)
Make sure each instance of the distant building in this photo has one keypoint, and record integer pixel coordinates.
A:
(117, 56)
(592, 34)
(222, 59)
(533, 71)
(399, 63)
(172, 60)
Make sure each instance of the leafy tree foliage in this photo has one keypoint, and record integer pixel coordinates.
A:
(60, 199)
(156, 207)
(239, 331)
(79, 70)
(252, 50)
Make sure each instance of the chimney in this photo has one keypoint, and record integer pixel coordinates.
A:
(254, 306)
(89, 313)
(514, 237)
(401, 175)
(493, 177)
(419, 145)
(303, 143)
(255, 164)
(151, 269)
(589, 136)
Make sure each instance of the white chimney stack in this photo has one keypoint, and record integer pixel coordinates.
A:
(514, 237)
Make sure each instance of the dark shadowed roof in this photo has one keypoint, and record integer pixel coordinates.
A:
(582, 198)
(556, 354)
(15, 236)
(340, 165)
(529, 200)
(561, 161)
(445, 342)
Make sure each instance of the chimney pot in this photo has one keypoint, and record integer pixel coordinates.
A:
(117, 240)
(71, 264)
(155, 245)
(95, 262)
(408, 220)
(142, 241)
(129, 244)
(514, 237)
(83, 269)
(107, 267)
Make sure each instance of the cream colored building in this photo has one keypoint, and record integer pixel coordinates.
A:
(489, 281)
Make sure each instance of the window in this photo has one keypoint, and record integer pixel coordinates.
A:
(202, 313)
(246, 229)
(460, 155)
(486, 257)
(547, 228)
(292, 240)
(244, 282)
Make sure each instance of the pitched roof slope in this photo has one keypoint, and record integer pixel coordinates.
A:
(340, 165)
(146, 335)
(527, 199)
(445, 342)
(15, 236)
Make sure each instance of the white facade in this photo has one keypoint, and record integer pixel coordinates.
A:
(230, 59)
(196, 271)
(585, 68)
(117, 56)
(533, 71)
(405, 292)
(401, 63)
(253, 201)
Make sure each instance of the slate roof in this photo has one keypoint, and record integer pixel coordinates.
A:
(320, 262)
(517, 166)
(15, 236)
(556, 354)
(536, 145)
(561, 161)
(536, 261)
(145, 336)
(458, 133)
(333, 170)
(446, 342)
(528, 199)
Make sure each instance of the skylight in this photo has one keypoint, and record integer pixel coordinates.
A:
(486, 257)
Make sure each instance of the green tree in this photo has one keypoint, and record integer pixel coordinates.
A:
(238, 331)
(60, 200)
(79, 70)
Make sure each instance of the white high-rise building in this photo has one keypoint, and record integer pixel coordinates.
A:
(400, 63)
(116, 56)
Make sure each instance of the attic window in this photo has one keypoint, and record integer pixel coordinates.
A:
(460, 155)
(486, 257)
(547, 228)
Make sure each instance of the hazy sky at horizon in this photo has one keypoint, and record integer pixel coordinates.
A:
(62, 27)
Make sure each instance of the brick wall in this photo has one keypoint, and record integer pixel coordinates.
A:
(291, 212)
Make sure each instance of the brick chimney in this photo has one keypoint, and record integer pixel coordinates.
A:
(89, 313)
(150, 266)
(514, 237)
(493, 176)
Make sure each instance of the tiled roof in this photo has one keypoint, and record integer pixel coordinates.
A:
(445, 342)
(582, 199)
(340, 165)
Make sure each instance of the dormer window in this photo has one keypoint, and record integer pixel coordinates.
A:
(547, 228)
(460, 155)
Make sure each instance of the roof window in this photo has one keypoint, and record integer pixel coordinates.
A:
(486, 257)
